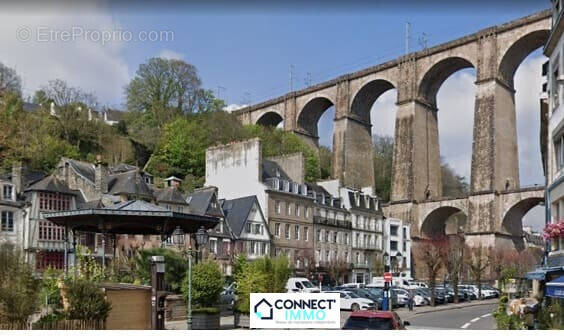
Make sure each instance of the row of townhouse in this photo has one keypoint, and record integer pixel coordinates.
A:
(265, 208)
(320, 227)
(27, 195)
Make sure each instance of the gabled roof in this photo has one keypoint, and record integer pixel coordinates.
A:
(237, 212)
(272, 169)
(200, 202)
(85, 169)
(130, 183)
(51, 184)
(169, 195)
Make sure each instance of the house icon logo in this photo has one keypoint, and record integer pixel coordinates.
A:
(263, 310)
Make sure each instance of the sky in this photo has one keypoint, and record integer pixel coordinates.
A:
(244, 51)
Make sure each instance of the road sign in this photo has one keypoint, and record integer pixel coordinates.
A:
(388, 277)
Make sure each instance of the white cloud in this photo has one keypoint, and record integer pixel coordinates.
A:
(170, 54)
(232, 107)
(84, 62)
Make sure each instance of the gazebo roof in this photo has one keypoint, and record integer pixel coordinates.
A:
(131, 217)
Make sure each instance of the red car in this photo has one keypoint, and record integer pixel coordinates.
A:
(374, 320)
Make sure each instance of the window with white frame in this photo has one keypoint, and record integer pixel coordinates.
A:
(297, 210)
(7, 192)
(277, 229)
(288, 209)
(296, 232)
(277, 207)
(287, 231)
(306, 212)
(555, 86)
(7, 221)
(306, 233)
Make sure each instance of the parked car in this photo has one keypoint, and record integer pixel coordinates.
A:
(364, 292)
(351, 301)
(379, 291)
(352, 285)
(472, 295)
(402, 295)
(375, 320)
(227, 296)
(425, 294)
(491, 292)
(301, 285)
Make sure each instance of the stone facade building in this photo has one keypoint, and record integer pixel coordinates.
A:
(366, 228)
(555, 137)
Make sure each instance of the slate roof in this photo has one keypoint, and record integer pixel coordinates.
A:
(272, 169)
(30, 107)
(87, 170)
(137, 205)
(52, 184)
(199, 202)
(130, 183)
(96, 204)
(121, 168)
(237, 211)
(114, 115)
(170, 195)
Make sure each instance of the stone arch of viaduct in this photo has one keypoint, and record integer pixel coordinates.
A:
(495, 53)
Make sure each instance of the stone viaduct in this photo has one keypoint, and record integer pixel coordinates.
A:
(496, 200)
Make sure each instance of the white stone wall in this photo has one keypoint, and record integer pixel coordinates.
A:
(235, 169)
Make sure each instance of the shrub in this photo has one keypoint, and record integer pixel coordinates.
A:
(50, 292)
(18, 288)
(87, 301)
(175, 267)
(264, 275)
(207, 284)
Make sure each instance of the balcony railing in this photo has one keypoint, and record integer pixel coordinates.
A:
(332, 222)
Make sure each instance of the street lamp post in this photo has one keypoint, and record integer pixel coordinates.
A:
(178, 241)
(386, 302)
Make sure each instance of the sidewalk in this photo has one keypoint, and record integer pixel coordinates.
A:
(227, 321)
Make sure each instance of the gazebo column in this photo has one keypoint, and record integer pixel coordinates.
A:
(74, 251)
(66, 265)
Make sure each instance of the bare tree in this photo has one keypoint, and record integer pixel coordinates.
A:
(478, 262)
(429, 252)
(453, 259)
(10, 81)
(337, 269)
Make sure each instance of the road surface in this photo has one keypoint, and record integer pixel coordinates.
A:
(472, 318)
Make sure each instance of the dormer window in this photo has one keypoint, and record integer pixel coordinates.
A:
(296, 188)
(276, 183)
(8, 192)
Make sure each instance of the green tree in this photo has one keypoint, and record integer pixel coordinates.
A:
(176, 266)
(207, 284)
(383, 151)
(278, 142)
(10, 81)
(19, 297)
(86, 300)
(325, 158)
(453, 185)
(249, 280)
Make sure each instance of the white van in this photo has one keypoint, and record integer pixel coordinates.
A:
(396, 282)
(300, 285)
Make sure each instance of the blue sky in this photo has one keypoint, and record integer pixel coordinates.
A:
(248, 49)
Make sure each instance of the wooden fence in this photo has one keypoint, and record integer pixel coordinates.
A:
(57, 325)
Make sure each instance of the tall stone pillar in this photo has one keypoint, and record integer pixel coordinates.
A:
(416, 167)
(495, 160)
(352, 143)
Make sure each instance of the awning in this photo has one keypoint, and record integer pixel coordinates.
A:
(538, 274)
(555, 288)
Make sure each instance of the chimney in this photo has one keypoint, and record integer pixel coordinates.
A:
(101, 175)
(173, 181)
(17, 177)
